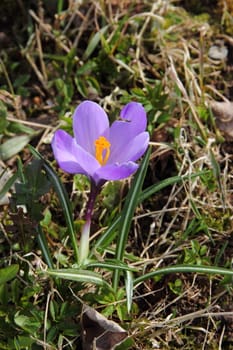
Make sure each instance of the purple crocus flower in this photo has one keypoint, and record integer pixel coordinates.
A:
(100, 151)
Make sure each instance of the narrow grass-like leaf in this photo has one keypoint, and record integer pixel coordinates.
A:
(20, 170)
(217, 174)
(148, 192)
(94, 42)
(129, 289)
(63, 198)
(128, 212)
(60, 5)
(44, 247)
(8, 273)
(7, 185)
(111, 265)
(212, 270)
(82, 276)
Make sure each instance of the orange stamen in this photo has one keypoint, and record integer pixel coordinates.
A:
(102, 150)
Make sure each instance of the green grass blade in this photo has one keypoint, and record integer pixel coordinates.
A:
(82, 276)
(8, 184)
(44, 247)
(111, 265)
(148, 192)
(60, 5)
(20, 170)
(217, 174)
(212, 270)
(63, 198)
(128, 212)
(94, 42)
(129, 290)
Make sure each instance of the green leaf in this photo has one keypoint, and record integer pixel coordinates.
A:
(8, 273)
(44, 246)
(21, 80)
(37, 181)
(217, 174)
(8, 184)
(17, 127)
(94, 42)
(129, 290)
(27, 323)
(13, 146)
(34, 184)
(3, 116)
(24, 342)
(83, 276)
(148, 192)
(81, 86)
(212, 270)
(4, 297)
(111, 265)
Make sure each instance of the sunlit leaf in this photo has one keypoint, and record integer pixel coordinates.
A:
(13, 146)
(129, 289)
(111, 265)
(211, 270)
(94, 42)
(82, 276)
(8, 273)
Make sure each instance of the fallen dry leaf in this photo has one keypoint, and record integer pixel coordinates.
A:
(223, 113)
(99, 333)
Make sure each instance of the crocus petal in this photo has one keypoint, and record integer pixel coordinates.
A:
(115, 171)
(122, 132)
(86, 161)
(133, 123)
(89, 123)
(71, 157)
(125, 150)
(130, 151)
(62, 145)
(135, 114)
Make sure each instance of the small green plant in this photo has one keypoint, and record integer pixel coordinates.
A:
(197, 254)
(157, 103)
(176, 286)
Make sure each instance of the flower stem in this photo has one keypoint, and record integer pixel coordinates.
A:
(85, 233)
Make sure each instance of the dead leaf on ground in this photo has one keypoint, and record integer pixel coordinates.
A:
(223, 113)
(99, 333)
(218, 51)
